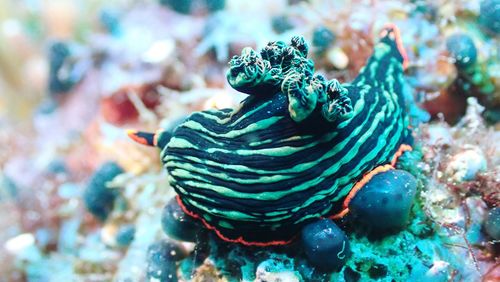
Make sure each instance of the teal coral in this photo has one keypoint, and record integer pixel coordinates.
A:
(406, 256)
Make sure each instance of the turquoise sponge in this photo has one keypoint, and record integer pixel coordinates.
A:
(98, 198)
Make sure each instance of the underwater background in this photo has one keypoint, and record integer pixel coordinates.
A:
(290, 140)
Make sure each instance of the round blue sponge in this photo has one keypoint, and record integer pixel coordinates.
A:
(384, 202)
(98, 198)
(177, 224)
(325, 244)
(461, 48)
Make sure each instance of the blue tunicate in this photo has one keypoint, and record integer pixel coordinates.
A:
(125, 235)
(384, 202)
(325, 244)
(99, 199)
(489, 15)
(161, 258)
(177, 224)
(281, 24)
(322, 38)
(59, 81)
(492, 223)
(462, 49)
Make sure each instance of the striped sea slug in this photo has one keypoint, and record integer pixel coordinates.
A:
(296, 150)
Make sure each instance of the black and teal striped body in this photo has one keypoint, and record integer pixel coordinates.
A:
(256, 175)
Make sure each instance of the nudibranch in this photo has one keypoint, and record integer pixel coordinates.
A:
(296, 150)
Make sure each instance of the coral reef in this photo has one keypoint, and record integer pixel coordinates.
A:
(74, 75)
